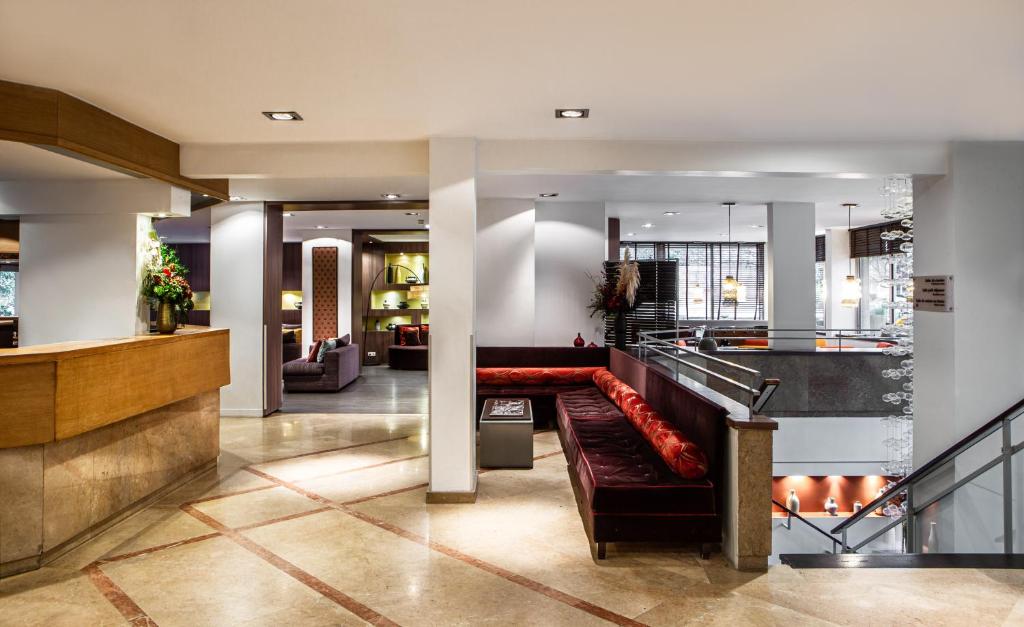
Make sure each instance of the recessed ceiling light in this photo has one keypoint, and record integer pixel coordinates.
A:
(289, 215)
(390, 196)
(161, 215)
(647, 225)
(426, 226)
(412, 213)
(630, 234)
(549, 195)
(320, 227)
(236, 198)
(671, 213)
(574, 114)
(757, 226)
(283, 116)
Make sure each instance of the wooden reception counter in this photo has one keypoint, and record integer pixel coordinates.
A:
(91, 431)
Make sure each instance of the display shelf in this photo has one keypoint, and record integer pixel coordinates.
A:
(399, 287)
(390, 313)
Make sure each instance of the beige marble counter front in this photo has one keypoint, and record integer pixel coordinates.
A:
(91, 431)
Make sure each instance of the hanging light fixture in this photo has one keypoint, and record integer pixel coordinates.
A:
(730, 286)
(850, 291)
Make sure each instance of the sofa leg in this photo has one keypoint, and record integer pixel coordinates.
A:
(601, 550)
(705, 551)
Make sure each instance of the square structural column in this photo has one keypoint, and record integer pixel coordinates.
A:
(789, 275)
(452, 375)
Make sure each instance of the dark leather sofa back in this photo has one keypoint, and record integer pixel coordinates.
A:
(540, 356)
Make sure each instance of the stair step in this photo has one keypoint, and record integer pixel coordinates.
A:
(911, 560)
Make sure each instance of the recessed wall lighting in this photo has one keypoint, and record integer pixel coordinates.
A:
(283, 116)
(647, 225)
(671, 213)
(236, 198)
(549, 195)
(390, 196)
(426, 226)
(320, 227)
(161, 215)
(573, 114)
(412, 213)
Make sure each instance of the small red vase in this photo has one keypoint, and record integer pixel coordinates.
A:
(579, 342)
(592, 345)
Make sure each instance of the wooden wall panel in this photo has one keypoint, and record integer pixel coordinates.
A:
(325, 292)
(291, 278)
(26, 404)
(273, 350)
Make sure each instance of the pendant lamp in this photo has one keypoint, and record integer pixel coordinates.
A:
(730, 286)
(850, 291)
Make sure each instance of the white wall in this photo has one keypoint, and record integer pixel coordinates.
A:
(236, 287)
(570, 243)
(78, 277)
(970, 362)
(505, 291)
(343, 242)
(837, 268)
(127, 196)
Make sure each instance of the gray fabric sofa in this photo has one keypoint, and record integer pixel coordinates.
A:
(340, 367)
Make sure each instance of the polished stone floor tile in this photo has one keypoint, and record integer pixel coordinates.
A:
(54, 597)
(255, 507)
(217, 582)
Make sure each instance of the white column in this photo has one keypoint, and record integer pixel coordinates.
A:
(837, 268)
(342, 240)
(236, 289)
(570, 243)
(452, 319)
(505, 276)
(80, 277)
(969, 363)
(789, 273)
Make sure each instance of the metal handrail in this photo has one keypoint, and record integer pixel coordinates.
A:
(791, 514)
(907, 484)
(656, 345)
(865, 335)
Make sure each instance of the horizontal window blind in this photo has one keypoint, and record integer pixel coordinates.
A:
(819, 248)
(866, 241)
(656, 300)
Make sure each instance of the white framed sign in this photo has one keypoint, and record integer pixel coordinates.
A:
(933, 293)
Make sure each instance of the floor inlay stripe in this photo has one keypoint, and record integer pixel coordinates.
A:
(118, 597)
(508, 575)
(154, 549)
(369, 615)
(332, 450)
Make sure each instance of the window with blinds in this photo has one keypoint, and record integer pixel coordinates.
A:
(819, 248)
(867, 241)
(702, 268)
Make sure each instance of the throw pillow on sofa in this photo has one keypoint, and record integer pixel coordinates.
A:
(682, 456)
(314, 352)
(344, 340)
(326, 345)
(409, 336)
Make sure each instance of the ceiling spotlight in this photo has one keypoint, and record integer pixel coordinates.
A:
(549, 195)
(426, 226)
(320, 227)
(757, 226)
(283, 116)
(630, 234)
(161, 215)
(412, 213)
(671, 213)
(574, 114)
(236, 198)
(289, 215)
(647, 225)
(390, 196)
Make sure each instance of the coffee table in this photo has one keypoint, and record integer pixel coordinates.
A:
(506, 441)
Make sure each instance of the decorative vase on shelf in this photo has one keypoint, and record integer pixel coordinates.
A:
(166, 320)
(592, 345)
(933, 540)
(831, 506)
(793, 502)
(579, 342)
(389, 274)
(857, 506)
(426, 274)
(620, 330)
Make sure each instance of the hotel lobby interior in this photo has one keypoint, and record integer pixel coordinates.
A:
(435, 313)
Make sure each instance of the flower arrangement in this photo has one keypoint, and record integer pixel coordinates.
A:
(164, 281)
(616, 295)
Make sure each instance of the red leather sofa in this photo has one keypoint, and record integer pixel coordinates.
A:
(618, 442)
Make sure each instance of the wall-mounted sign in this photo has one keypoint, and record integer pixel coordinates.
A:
(933, 293)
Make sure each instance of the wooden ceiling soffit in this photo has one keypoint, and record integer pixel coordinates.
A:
(52, 119)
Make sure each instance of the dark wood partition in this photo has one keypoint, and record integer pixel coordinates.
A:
(273, 251)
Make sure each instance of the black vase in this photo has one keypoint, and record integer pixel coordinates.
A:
(389, 274)
(620, 330)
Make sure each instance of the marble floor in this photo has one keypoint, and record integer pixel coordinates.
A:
(320, 520)
(378, 390)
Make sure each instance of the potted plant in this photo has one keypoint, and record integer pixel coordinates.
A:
(164, 283)
(615, 296)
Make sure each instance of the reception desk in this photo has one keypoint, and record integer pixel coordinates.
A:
(92, 431)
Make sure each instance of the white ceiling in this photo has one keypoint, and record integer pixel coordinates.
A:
(302, 225)
(199, 71)
(27, 162)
